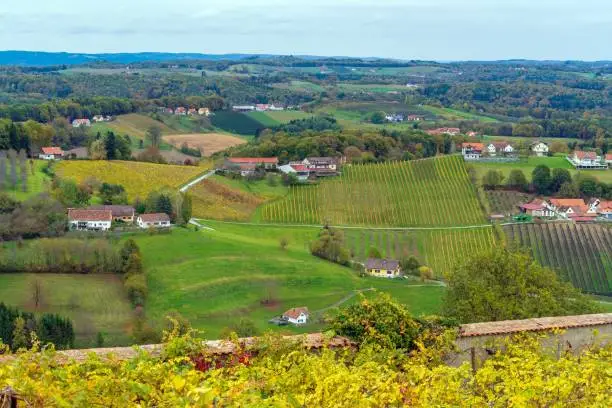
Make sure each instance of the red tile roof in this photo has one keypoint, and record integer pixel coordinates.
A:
(608, 156)
(299, 167)
(52, 150)
(475, 146)
(154, 217)
(89, 215)
(295, 312)
(567, 202)
(273, 160)
(605, 206)
(585, 155)
(536, 324)
(532, 206)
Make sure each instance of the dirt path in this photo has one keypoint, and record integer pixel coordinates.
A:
(196, 181)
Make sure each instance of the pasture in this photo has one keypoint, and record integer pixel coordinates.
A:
(138, 178)
(133, 124)
(454, 114)
(38, 181)
(208, 143)
(426, 193)
(215, 278)
(580, 253)
(95, 303)
(275, 118)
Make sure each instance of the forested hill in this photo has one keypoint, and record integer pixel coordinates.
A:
(38, 58)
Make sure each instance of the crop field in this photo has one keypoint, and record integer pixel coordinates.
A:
(275, 118)
(208, 143)
(581, 253)
(236, 122)
(133, 124)
(95, 303)
(506, 202)
(423, 193)
(221, 198)
(453, 114)
(138, 178)
(438, 249)
(215, 278)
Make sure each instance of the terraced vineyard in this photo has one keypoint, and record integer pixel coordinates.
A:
(423, 193)
(580, 253)
(438, 249)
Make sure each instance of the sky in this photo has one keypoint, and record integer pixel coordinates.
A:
(406, 29)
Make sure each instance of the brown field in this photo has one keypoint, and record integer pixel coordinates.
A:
(209, 143)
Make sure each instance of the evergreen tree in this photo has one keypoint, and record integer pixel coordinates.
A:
(186, 208)
(110, 145)
(540, 177)
(164, 204)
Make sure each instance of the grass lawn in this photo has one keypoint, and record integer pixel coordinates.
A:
(530, 164)
(264, 119)
(214, 278)
(133, 124)
(95, 303)
(37, 182)
(453, 114)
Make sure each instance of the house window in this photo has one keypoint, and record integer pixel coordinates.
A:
(389, 272)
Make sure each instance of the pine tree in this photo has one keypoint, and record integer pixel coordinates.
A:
(110, 145)
(13, 159)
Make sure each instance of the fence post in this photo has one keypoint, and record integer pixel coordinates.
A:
(473, 358)
(8, 398)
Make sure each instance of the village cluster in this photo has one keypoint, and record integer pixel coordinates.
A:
(101, 218)
(259, 107)
(573, 209)
(307, 169)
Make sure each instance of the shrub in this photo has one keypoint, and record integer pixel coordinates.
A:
(136, 287)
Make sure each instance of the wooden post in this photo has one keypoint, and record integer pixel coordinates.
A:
(473, 358)
(8, 398)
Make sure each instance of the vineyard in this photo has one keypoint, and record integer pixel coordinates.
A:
(580, 253)
(138, 178)
(438, 249)
(423, 193)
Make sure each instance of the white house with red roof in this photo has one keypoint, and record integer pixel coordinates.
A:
(472, 151)
(499, 149)
(301, 171)
(51, 153)
(608, 159)
(537, 208)
(181, 111)
(89, 220)
(268, 163)
(81, 122)
(444, 131)
(297, 315)
(539, 148)
(586, 160)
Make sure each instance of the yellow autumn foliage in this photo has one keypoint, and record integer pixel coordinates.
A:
(138, 178)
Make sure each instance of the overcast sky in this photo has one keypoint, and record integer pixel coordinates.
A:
(408, 29)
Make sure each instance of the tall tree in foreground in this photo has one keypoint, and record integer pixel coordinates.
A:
(502, 285)
(154, 135)
(13, 159)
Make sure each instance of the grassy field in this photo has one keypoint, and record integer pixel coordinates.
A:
(222, 198)
(95, 303)
(529, 164)
(580, 253)
(453, 114)
(424, 193)
(216, 278)
(208, 143)
(38, 182)
(133, 124)
(138, 178)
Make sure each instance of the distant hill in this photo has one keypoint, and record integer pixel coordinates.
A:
(36, 58)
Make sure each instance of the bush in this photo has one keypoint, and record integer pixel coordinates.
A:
(136, 287)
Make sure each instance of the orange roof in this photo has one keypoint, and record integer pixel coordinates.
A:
(585, 155)
(605, 206)
(253, 159)
(567, 202)
(477, 146)
(52, 150)
(155, 217)
(608, 156)
(295, 312)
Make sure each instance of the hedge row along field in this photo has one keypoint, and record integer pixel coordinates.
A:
(423, 193)
(138, 178)
(580, 253)
(438, 249)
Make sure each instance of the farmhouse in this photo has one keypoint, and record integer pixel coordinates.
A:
(98, 118)
(572, 208)
(169, 111)
(394, 118)
(537, 208)
(297, 315)
(322, 166)
(275, 108)
(586, 160)
(602, 208)
(472, 151)
(89, 220)
(204, 111)
(383, 268)
(181, 111)
(155, 220)
(120, 213)
(414, 118)
(300, 170)
(81, 122)
(539, 149)
(51, 153)
(499, 149)
(192, 111)
(471, 133)
(444, 131)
